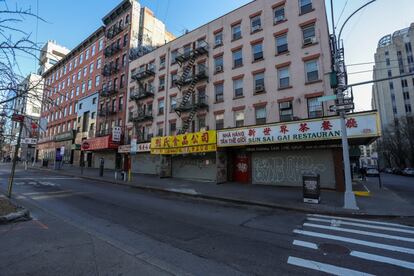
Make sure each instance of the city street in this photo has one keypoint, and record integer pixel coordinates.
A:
(402, 185)
(83, 227)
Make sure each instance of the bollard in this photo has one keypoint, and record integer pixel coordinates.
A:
(101, 167)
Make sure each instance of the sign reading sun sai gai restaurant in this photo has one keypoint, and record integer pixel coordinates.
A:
(358, 125)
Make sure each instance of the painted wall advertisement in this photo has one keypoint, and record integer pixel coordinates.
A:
(358, 125)
(186, 143)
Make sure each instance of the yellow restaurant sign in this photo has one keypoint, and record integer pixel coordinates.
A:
(186, 143)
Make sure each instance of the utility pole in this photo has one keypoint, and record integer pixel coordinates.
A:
(16, 152)
(344, 102)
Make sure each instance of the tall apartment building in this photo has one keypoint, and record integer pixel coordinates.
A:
(28, 105)
(97, 65)
(50, 54)
(394, 57)
(255, 70)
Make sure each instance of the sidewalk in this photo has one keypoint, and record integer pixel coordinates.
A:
(380, 203)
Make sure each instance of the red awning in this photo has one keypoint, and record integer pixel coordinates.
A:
(99, 143)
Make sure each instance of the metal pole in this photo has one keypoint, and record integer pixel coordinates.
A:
(16, 152)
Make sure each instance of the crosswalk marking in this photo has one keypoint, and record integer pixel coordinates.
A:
(365, 225)
(356, 241)
(377, 238)
(362, 220)
(367, 233)
(362, 255)
(382, 259)
(327, 268)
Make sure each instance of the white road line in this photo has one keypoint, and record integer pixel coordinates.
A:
(363, 255)
(362, 220)
(46, 178)
(367, 233)
(48, 193)
(40, 197)
(310, 245)
(327, 268)
(356, 241)
(340, 222)
(382, 259)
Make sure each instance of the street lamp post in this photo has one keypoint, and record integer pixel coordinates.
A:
(346, 103)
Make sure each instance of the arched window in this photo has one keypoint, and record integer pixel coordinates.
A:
(127, 19)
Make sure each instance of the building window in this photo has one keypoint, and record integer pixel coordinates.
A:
(173, 128)
(279, 14)
(236, 32)
(389, 73)
(218, 91)
(93, 50)
(259, 83)
(309, 36)
(85, 71)
(286, 111)
(239, 118)
(281, 44)
(408, 108)
(160, 107)
(91, 68)
(404, 83)
(257, 51)
(124, 60)
(160, 131)
(256, 24)
(219, 121)
(284, 78)
(174, 79)
(387, 61)
(87, 54)
(97, 80)
(81, 58)
(80, 108)
(89, 84)
(121, 85)
(162, 62)
(238, 88)
(173, 103)
(162, 83)
(201, 123)
(305, 6)
(312, 73)
(218, 64)
(315, 108)
(260, 113)
(174, 56)
(98, 63)
(391, 84)
(100, 46)
(237, 58)
(218, 39)
(94, 100)
(125, 40)
(79, 74)
(83, 87)
(120, 103)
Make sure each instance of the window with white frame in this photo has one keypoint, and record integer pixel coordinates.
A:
(256, 23)
(309, 35)
(315, 108)
(219, 121)
(218, 39)
(281, 44)
(91, 66)
(257, 50)
(260, 113)
(284, 77)
(285, 111)
(279, 14)
(312, 72)
(236, 32)
(218, 64)
(218, 91)
(239, 118)
(238, 87)
(238, 58)
(305, 6)
(259, 82)
(97, 80)
(173, 103)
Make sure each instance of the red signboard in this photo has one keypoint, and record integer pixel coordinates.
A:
(100, 143)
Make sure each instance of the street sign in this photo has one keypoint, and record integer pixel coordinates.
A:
(342, 107)
(116, 134)
(29, 141)
(327, 98)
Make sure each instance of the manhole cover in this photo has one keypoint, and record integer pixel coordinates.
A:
(335, 249)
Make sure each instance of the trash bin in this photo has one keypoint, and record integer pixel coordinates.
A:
(311, 188)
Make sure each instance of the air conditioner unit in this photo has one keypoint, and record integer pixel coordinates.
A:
(285, 105)
(259, 88)
(219, 68)
(279, 18)
(256, 28)
(206, 128)
(309, 40)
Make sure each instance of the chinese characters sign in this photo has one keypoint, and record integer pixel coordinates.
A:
(358, 125)
(185, 143)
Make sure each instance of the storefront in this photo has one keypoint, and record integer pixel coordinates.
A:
(143, 161)
(279, 154)
(101, 147)
(187, 156)
(57, 147)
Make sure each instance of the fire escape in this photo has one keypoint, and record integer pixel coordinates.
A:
(143, 92)
(190, 102)
(111, 67)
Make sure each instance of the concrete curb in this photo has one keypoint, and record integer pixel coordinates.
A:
(233, 200)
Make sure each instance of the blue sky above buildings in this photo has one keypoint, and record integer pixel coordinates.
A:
(69, 22)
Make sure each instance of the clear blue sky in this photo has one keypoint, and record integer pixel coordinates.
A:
(69, 22)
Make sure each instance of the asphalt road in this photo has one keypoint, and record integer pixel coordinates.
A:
(402, 185)
(84, 227)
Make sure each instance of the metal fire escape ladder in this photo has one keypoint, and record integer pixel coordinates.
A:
(191, 81)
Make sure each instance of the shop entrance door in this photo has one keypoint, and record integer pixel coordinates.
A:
(241, 168)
